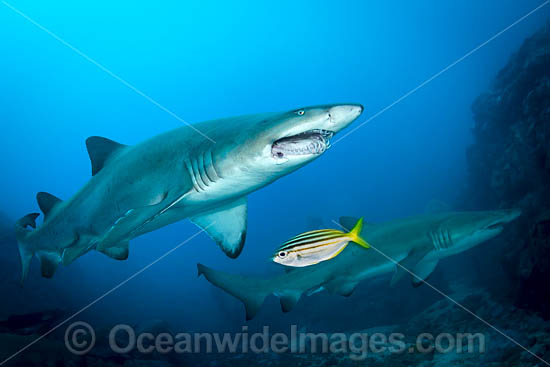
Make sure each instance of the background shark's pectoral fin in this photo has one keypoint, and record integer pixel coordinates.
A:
(48, 263)
(289, 300)
(341, 286)
(423, 270)
(409, 263)
(226, 226)
(119, 252)
(99, 150)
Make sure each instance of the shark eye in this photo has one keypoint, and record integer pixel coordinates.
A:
(282, 254)
(300, 112)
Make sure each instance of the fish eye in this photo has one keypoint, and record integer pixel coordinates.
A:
(282, 254)
(300, 112)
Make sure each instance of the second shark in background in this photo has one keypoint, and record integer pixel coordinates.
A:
(416, 244)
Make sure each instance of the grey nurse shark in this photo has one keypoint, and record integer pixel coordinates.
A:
(176, 175)
(412, 245)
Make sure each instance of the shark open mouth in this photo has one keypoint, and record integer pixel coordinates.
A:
(309, 142)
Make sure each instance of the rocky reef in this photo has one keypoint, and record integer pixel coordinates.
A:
(509, 166)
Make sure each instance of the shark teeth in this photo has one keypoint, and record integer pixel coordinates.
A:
(315, 142)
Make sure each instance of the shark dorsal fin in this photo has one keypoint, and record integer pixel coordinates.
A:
(46, 202)
(99, 150)
(349, 222)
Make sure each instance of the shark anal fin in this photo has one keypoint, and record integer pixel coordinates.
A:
(48, 263)
(99, 150)
(289, 300)
(119, 252)
(226, 226)
(409, 263)
(341, 286)
(423, 270)
(46, 202)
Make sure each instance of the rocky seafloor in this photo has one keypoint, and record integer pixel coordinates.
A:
(509, 305)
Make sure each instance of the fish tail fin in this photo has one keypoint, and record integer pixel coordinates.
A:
(355, 234)
(21, 234)
(250, 291)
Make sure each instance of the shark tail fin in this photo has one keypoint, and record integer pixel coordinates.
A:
(251, 291)
(21, 234)
(355, 234)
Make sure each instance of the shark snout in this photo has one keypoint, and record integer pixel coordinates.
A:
(344, 114)
(509, 215)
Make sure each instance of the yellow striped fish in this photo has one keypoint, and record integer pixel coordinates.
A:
(312, 247)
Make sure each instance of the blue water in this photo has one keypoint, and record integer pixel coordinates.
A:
(204, 60)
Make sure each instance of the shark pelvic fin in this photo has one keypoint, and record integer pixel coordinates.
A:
(99, 150)
(423, 270)
(251, 291)
(119, 252)
(47, 202)
(48, 263)
(409, 263)
(226, 226)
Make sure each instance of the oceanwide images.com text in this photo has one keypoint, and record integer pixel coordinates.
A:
(80, 338)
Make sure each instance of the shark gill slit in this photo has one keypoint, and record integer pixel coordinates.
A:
(192, 175)
(196, 173)
(207, 164)
(202, 172)
(216, 171)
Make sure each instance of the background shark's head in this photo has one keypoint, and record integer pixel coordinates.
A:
(273, 144)
(468, 229)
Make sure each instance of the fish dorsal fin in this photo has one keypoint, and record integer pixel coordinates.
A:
(99, 150)
(47, 202)
(226, 226)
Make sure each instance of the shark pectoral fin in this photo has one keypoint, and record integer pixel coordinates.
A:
(226, 226)
(48, 263)
(289, 300)
(47, 202)
(423, 270)
(409, 263)
(119, 252)
(342, 287)
(99, 150)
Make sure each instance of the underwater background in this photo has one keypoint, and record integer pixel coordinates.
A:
(476, 137)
